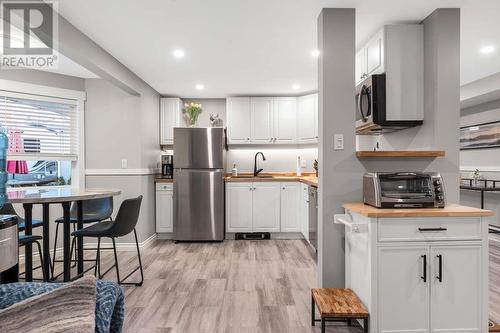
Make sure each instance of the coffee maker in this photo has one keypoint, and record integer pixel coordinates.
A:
(167, 166)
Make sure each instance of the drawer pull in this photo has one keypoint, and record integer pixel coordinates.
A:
(424, 277)
(431, 229)
(440, 269)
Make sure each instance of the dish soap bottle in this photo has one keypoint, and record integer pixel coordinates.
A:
(299, 169)
(234, 171)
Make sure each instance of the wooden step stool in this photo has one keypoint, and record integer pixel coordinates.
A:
(335, 304)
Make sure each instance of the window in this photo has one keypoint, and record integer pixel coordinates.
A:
(43, 138)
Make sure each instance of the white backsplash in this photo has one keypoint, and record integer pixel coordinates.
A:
(277, 159)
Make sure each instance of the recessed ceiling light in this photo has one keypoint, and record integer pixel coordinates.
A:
(315, 53)
(178, 53)
(296, 87)
(487, 49)
(200, 86)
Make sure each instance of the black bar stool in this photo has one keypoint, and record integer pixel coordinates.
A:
(125, 223)
(30, 239)
(96, 210)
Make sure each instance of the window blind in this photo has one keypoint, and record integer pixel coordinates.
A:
(39, 128)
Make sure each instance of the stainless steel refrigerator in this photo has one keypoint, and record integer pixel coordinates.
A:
(199, 184)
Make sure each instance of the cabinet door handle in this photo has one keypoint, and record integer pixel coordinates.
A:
(440, 268)
(431, 229)
(424, 276)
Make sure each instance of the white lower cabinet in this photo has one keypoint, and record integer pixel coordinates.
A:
(265, 207)
(304, 210)
(456, 298)
(239, 207)
(164, 208)
(290, 200)
(403, 294)
(435, 280)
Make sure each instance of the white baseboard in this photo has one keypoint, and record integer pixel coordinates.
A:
(119, 247)
(123, 246)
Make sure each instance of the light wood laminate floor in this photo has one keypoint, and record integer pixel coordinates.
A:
(234, 286)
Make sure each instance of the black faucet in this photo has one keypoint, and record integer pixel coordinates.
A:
(255, 171)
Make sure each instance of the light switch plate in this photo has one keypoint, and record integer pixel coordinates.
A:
(124, 163)
(338, 141)
(303, 163)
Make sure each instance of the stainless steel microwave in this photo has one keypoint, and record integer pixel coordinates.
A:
(371, 106)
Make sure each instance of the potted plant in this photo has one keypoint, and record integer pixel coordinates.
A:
(191, 111)
(476, 175)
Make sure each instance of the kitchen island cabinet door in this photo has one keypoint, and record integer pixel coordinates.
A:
(456, 291)
(290, 207)
(239, 207)
(403, 293)
(266, 207)
(164, 208)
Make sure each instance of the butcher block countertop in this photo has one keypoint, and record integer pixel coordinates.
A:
(453, 210)
(163, 180)
(306, 178)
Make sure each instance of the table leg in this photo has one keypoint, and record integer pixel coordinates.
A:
(79, 240)
(66, 242)
(28, 252)
(46, 239)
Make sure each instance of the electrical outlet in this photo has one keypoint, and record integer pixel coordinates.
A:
(124, 163)
(338, 141)
(303, 163)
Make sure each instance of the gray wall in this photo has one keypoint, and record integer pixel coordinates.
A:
(122, 126)
(209, 105)
(340, 172)
(486, 160)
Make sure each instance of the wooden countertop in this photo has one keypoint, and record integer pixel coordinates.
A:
(306, 178)
(163, 180)
(450, 210)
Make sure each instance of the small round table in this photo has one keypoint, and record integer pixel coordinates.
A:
(45, 197)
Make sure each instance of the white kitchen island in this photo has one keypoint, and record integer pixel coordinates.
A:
(419, 270)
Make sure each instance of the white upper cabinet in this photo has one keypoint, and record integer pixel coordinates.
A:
(375, 54)
(370, 58)
(398, 51)
(307, 119)
(262, 120)
(170, 117)
(285, 120)
(360, 66)
(272, 120)
(238, 120)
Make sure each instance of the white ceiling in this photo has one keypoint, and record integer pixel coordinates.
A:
(255, 47)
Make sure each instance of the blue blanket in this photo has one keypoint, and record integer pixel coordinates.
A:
(110, 301)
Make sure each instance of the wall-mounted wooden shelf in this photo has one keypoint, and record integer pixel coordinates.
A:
(401, 153)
